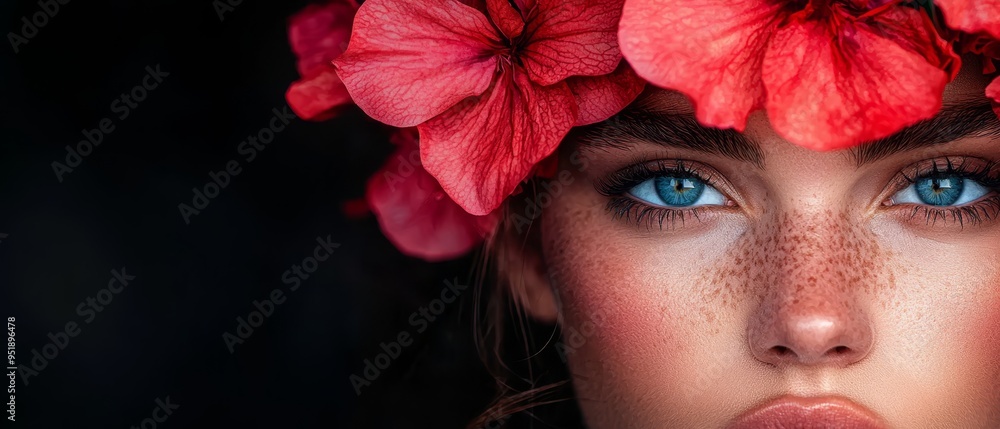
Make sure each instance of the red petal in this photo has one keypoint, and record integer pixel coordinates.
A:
(710, 50)
(986, 47)
(319, 33)
(319, 97)
(506, 18)
(602, 97)
(417, 216)
(915, 31)
(482, 148)
(475, 4)
(824, 96)
(993, 92)
(409, 61)
(972, 16)
(575, 38)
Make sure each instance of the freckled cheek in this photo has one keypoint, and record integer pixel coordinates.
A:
(616, 304)
(622, 343)
(941, 325)
(979, 367)
(954, 285)
(600, 274)
(986, 259)
(630, 306)
(609, 310)
(987, 333)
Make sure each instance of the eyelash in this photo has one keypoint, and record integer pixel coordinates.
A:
(622, 206)
(975, 213)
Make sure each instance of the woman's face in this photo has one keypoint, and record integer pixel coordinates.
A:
(704, 274)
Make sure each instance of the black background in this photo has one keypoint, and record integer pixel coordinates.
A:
(162, 335)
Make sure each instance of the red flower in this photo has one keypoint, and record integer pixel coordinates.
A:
(830, 73)
(318, 34)
(993, 92)
(986, 47)
(491, 90)
(414, 212)
(981, 20)
(972, 16)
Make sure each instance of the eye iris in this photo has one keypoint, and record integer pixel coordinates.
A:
(678, 191)
(940, 191)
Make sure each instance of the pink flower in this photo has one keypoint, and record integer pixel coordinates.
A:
(830, 73)
(492, 90)
(318, 34)
(415, 213)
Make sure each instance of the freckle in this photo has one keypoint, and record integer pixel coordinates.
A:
(801, 251)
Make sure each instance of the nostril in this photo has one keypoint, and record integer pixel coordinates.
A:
(782, 351)
(785, 337)
(787, 352)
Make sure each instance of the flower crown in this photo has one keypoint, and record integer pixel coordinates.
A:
(490, 88)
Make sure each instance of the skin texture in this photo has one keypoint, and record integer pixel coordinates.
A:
(806, 283)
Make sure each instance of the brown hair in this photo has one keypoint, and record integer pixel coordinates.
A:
(516, 350)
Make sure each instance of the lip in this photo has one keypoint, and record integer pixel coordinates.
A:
(793, 412)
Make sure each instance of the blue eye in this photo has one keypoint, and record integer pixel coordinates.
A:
(677, 192)
(941, 191)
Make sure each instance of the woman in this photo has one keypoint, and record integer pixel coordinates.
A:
(795, 224)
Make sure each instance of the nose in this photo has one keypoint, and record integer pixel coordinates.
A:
(811, 332)
(811, 307)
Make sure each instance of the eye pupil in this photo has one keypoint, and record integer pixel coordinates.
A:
(679, 191)
(941, 185)
(940, 191)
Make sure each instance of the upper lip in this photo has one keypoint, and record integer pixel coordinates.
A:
(793, 412)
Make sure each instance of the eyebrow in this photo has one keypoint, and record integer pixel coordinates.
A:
(672, 130)
(954, 122)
